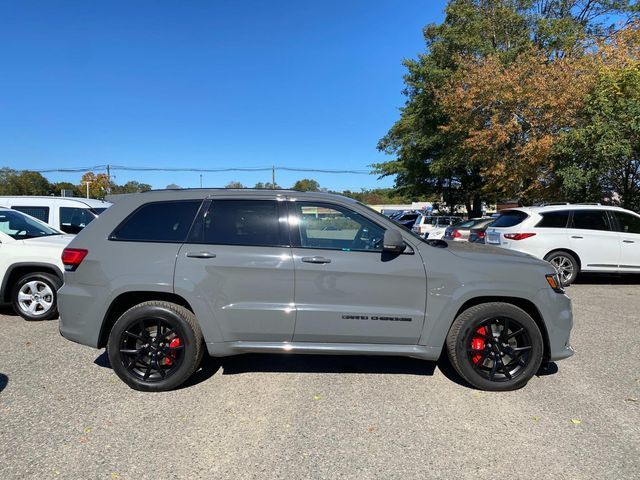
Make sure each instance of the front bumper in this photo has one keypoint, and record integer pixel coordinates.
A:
(557, 313)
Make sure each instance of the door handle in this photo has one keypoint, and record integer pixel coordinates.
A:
(316, 260)
(628, 241)
(201, 255)
(576, 236)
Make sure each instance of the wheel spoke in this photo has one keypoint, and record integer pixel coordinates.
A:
(479, 363)
(521, 349)
(513, 334)
(131, 334)
(181, 347)
(160, 369)
(493, 371)
(505, 329)
(166, 334)
(505, 370)
(130, 351)
(147, 372)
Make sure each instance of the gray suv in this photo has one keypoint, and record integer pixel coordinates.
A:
(161, 276)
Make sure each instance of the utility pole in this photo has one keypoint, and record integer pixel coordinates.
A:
(88, 182)
(200, 180)
(273, 177)
(108, 179)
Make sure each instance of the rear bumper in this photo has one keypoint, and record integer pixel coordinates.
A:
(80, 313)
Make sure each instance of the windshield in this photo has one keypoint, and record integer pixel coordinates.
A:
(21, 227)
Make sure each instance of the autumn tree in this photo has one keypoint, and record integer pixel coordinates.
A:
(434, 153)
(98, 184)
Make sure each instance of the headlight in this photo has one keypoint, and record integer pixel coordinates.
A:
(554, 282)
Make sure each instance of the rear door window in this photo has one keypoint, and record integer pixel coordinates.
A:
(41, 213)
(554, 220)
(240, 222)
(510, 218)
(627, 223)
(158, 222)
(591, 220)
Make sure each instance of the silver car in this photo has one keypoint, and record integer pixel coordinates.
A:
(161, 277)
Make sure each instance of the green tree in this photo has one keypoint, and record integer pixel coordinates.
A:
(306, 185)
(430, 157)
(600, 159)
(234, 184)
(56, 188)
(131, 186)
(23, 183)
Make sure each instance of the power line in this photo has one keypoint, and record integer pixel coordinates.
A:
(198, 170)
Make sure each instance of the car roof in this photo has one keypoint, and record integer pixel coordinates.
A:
(568, 206)
(89, 202)
(191, 193)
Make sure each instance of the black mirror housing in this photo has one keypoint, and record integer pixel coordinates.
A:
(393, 242)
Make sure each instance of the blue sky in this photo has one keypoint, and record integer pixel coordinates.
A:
(205, 84)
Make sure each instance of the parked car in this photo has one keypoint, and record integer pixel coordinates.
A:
(434, 226)
(407, 219)
(165, 275)
(460, 232)
(30, 264)
(573, 238)
(68, 214)
(477, 234)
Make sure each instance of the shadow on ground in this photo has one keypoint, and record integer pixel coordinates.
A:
(4, 380)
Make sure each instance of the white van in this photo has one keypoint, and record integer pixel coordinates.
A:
(68, 214)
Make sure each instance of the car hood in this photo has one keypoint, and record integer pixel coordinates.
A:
(51, 241)
(488, 253)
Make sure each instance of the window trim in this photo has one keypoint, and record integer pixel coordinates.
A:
(46, 208)
(204, 209)
(296, 236)
(112, 238)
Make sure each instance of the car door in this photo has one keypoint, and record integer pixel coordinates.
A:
(346, 288)
(628, 226)
(238, 260)
(592, 238)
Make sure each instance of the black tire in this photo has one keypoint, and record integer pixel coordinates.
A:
(477, 368)
(133, 355)
(43, 289)
(565, 264)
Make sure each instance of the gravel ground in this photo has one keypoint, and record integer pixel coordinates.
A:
(64, 413)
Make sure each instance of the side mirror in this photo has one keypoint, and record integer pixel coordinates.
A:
(393, 242)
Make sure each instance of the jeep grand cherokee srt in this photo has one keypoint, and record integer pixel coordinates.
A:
(162, 276)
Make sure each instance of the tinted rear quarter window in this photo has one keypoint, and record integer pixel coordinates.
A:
(554, 220)
(591, 220)
(239, 222)
(627, 223)
(41, 213)
(510, 218)
(158, 222)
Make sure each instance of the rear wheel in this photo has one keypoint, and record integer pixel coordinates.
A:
(566, 265)
(495, 346)
(155, 346)
(35, 296)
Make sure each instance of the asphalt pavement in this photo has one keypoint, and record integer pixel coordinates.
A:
(64, 413)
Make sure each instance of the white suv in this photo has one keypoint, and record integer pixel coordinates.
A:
(433, 226)
(574, 238)
(30, 264)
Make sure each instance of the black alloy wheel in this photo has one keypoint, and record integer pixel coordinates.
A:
(155, 346)
(495, 346)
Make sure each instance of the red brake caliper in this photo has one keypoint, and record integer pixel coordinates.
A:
(477, 343)
(168, 360)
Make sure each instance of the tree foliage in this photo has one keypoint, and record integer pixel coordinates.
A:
(306, 185)
(499, 83)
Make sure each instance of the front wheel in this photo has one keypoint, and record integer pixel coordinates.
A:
(495, 346)
(155, 346)
(35, 296)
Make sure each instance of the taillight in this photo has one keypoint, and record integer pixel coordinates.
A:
(455, 233)
(518, 236)
(481, 234)
(72, 257)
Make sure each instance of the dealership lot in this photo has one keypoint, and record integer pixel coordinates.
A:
(64, 414)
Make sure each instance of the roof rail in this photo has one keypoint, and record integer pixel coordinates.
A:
(588, 203)
(547, 204)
